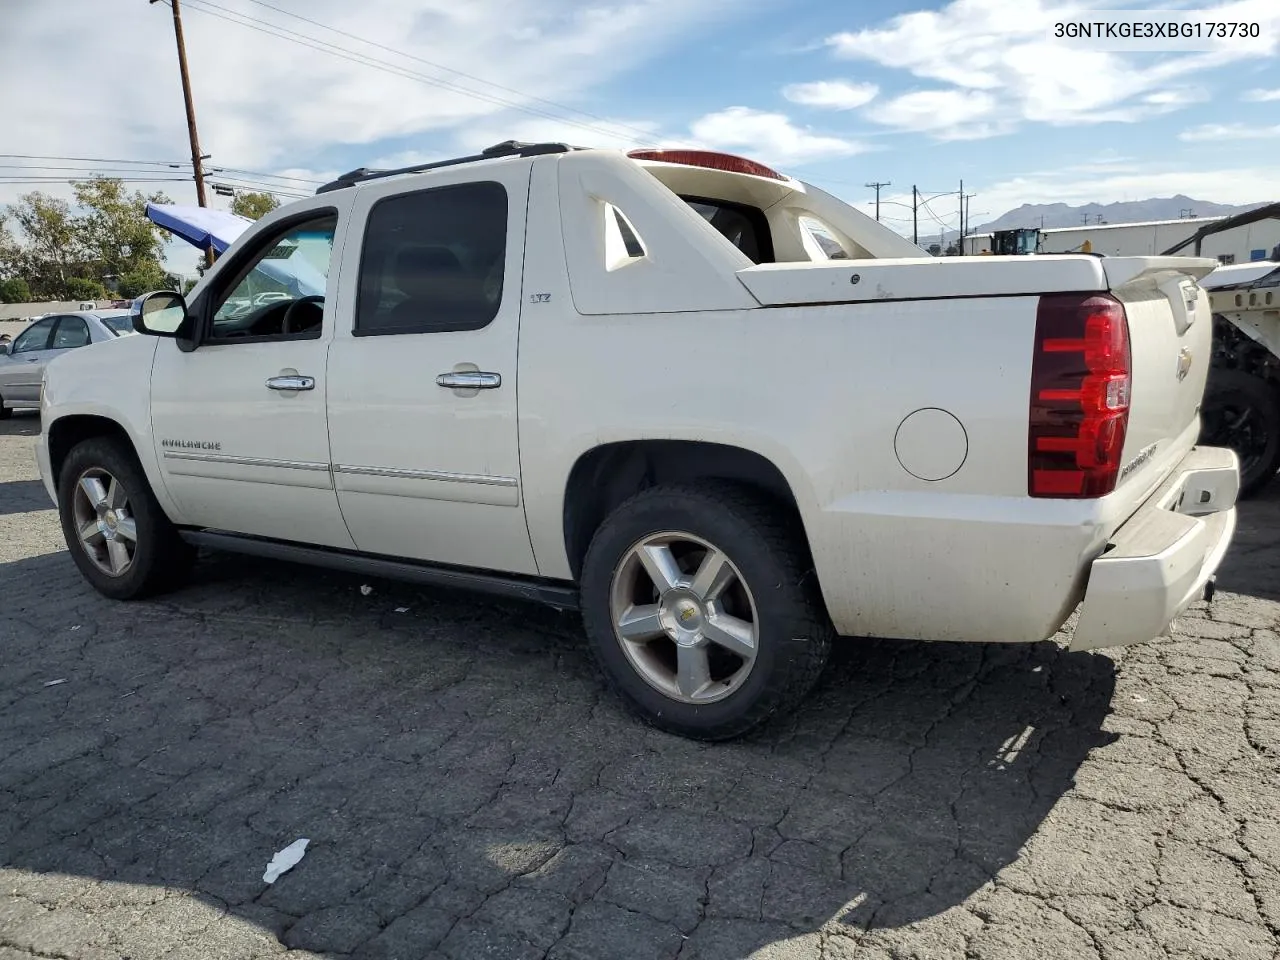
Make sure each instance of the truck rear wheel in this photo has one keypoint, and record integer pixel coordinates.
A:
(702, 610)
(1242, 412)
(117, 533)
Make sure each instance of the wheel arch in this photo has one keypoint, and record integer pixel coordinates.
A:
(67, 432)
(605, 476)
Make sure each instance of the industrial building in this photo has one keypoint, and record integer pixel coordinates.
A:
(1254, 241)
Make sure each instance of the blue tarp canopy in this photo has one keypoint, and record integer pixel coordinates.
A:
(199, 226)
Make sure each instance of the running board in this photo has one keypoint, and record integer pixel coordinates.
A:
(553, 594)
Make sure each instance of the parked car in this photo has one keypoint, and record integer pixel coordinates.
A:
(726, 449)
(23, 360)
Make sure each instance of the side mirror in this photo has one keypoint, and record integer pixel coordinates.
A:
(161, 314)
(5, 347)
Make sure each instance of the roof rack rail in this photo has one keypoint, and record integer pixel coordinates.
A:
(508, 148)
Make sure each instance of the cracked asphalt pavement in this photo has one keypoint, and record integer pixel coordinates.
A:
(469, 792)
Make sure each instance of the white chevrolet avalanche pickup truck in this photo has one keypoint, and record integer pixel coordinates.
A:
(722, 413)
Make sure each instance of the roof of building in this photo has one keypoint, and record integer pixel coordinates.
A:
(1185, 221)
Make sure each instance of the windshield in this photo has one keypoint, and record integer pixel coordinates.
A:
(119, 324)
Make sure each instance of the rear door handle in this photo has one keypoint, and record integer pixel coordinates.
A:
(470, 380)
(291, 384)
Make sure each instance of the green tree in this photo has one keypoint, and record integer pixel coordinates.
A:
(82, 288)
(14, 290)
(52, 251)
(135, 283)
(253, 205)
(114, 227)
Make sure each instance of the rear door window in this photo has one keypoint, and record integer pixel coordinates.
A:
(71, 332)
(433, 261)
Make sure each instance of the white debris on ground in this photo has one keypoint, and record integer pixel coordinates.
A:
(286, 859)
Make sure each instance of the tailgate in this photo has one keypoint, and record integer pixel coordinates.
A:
(1170, 337)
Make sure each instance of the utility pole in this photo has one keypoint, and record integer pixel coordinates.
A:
(915, 218)
(962, 211)
(877, 187)
(964, 207)
(196, 157)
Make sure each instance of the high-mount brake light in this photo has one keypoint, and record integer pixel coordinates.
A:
(709, 159)
(1081, 379)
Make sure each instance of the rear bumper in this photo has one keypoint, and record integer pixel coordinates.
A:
(1158, 563)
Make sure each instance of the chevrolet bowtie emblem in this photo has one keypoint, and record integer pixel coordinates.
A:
(1184, 363)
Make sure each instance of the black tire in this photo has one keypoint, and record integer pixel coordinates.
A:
(760, 540)
(1242, 412)
(5, 412)
(161, 559)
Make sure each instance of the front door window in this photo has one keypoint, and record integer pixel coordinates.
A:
(35, 337)
(281, 295)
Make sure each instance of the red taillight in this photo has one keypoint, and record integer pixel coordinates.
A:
(1080, 383)
(706, 158)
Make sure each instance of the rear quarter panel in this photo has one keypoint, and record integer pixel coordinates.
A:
(821, 392)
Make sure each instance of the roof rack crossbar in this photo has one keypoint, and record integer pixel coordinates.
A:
(508, 148)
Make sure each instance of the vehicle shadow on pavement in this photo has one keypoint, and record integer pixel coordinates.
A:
(1252, 564)
(467, 786)
(21, 423)
(22, 496)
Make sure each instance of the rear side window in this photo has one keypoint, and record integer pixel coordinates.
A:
(743, 226)
(822, 239)
(433, 261)
(71, 332)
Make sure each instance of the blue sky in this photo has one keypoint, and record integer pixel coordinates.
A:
(907, 91)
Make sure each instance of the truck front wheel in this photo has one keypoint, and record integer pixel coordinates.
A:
(117, 533)
(702, 610)
(1242, 412)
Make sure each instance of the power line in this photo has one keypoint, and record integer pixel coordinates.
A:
(114, 163)
(266, 176)
(22, 180)
(149, 163)
(344, 53)
(440, 66)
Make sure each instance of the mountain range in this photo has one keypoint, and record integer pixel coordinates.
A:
(1049, 215)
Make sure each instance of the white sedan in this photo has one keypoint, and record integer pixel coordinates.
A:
(22, 361)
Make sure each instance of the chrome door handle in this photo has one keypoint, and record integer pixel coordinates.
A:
(470, 380)
(291, 384)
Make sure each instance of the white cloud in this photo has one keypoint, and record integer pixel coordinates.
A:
(1226, 132)
(1001, 48)
(831, 94)
(262, 101)
(612, 134)
(768, 137)
(951, 114)
(1261, 96)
